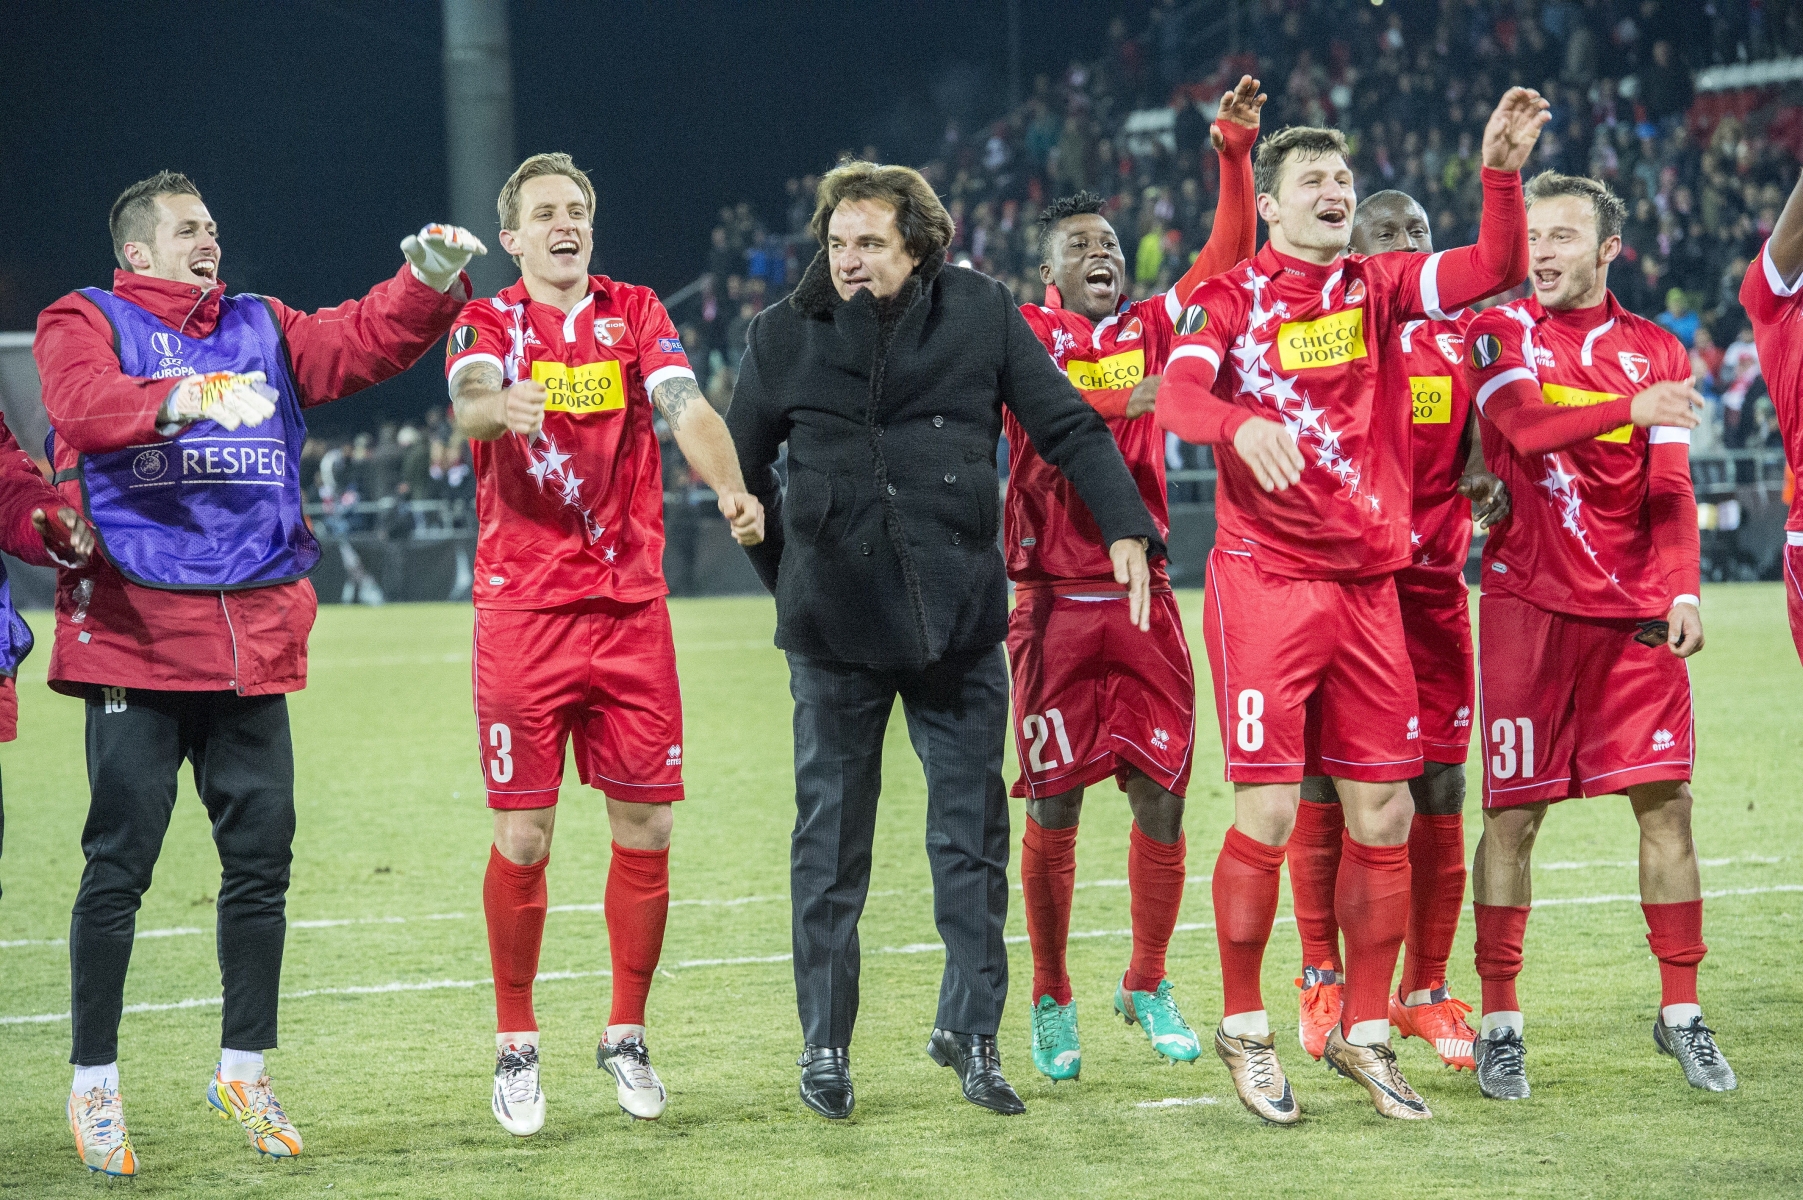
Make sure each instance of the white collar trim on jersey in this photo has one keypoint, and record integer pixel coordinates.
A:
(1590, 339)
(569, 322)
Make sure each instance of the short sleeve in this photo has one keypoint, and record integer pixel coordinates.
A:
(1496, 353)
(1765, 295)
(478, 335)
(661, 356)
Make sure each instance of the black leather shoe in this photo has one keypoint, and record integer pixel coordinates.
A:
(826, 1080)
(979, 1067)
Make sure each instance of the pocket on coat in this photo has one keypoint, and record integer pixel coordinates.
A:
(808, 502)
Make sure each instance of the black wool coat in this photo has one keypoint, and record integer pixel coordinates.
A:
(882, 551)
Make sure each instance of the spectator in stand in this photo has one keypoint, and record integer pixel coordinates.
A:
(1678, 319)
(1739, 375)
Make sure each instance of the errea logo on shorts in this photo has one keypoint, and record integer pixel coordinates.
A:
(1414, 728)
(1161, 738)
(1663, 739)
(675, 759)
(1462, 718)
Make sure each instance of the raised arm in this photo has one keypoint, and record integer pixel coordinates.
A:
(1235, 233)
(1786, 245)
(344, 349)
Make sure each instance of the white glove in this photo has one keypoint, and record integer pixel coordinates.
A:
(223, 397)
(439, 252)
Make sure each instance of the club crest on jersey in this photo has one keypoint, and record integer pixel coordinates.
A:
(1485, 350)
(1130, 331)
(1450, 345)
(1193, 320)
(1634, 366)
(609, 330)
(462, 338)
(1355, 292)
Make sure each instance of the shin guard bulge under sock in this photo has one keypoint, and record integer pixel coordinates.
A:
(1048, 880)
(1675, 933)
(1314, 857)
(1501, 928)
(1436, 897)
(513, 900)
(637, 904)
(1245, 898)
(1371, 900)
(1155, 881)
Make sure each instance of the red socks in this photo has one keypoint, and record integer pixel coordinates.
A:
(1314, 856)
(1675, 932)
(1155, 879)
(638, 900)
(1371, 900)
(1048, 876)
(1245, 896)
(1500, 930)
(1436, 897)
(513, 899)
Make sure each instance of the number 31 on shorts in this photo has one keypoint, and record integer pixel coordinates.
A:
(1508, 757)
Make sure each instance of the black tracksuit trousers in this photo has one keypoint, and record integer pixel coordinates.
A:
(244, 771)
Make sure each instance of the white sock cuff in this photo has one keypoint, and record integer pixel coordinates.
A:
(89, 1078)
(240, 1066)
(1676, 1015)
(524, 1037)
(1247, 1024)
(615, 1033)
(1499, 1020)
(1369, 1033)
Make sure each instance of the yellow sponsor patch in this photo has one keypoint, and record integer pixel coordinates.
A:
(1433, 399)
(1324, 343)
(1570, 397)
(592, 387)
(1122, 370)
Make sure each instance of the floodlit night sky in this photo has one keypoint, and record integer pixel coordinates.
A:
(315, 128)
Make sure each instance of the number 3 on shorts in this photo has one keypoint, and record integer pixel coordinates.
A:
(1250, 733)
(501, 738)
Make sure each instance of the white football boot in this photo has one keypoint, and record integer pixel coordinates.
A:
(519, 1104)
(640, 1091)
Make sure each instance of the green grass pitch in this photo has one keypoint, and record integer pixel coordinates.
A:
(386, 1050)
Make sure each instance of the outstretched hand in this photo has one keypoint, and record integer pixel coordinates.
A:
(1240, 106)
(439, 252)
(1514, 127)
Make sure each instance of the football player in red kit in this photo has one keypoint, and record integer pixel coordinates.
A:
(1451, 489)
(1093, 696)
(556, 380)
(1300, 615)
(1772, 294)
(1588, 609)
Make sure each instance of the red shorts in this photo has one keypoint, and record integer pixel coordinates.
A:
(602, 672)
(1280, 647)
(1436, 624)
(1574, 706)
(1094, 696)
(1793, 585)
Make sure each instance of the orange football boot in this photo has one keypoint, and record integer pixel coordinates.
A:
(1440, 1022)
(1320, 1007)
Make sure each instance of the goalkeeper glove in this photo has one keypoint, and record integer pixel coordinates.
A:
(439, 252)
(224, 397)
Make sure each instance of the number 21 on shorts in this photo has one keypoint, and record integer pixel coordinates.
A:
(1508, 757)
(1041, 728)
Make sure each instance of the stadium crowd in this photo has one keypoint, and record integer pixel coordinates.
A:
(1704, 176)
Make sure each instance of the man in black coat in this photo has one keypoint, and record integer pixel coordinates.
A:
(886, 372)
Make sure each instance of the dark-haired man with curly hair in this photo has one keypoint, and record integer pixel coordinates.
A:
(1091, 698)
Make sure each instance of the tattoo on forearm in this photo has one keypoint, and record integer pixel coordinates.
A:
(482, 377)
(673, 397)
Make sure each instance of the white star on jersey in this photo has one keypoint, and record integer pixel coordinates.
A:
(547, 466)
(1561, 489)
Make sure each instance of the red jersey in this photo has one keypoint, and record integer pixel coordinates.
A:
(1307, 345)
(1430, 364)
(577, 510)
(1047, 532)
(1604, 513)
(1774, 308)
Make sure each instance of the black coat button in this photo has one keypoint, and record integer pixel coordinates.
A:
(863, 547)
(892, 489)
(957, 539)
(938, 422)
(951, 478)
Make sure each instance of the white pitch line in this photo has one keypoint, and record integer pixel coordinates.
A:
(740, 901)
(910, 948)
(1177, 1102)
